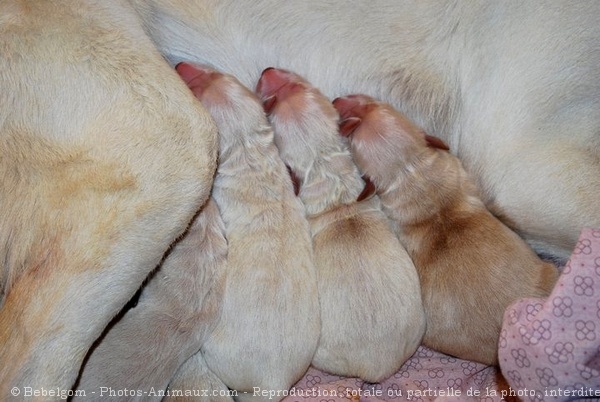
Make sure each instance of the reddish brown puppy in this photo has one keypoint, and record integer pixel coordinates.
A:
(470, 265)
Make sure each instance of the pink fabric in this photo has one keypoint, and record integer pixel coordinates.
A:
(552, 346)
(546, 346)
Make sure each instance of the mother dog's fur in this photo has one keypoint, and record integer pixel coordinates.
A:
(106, 156)
(512, 87)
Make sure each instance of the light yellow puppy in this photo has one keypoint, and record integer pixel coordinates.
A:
(270, 323)
(371, 311)
(470, 265)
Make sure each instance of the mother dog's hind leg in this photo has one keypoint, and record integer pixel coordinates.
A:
(106, 156)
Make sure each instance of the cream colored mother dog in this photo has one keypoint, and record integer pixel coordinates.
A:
(106, 156)
(511, 87)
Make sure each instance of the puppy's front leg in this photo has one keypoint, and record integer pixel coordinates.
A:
(106, 157)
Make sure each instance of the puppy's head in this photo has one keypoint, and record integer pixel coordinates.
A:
(383, 140)
(304, 120)
(287, 97)
(235, 109)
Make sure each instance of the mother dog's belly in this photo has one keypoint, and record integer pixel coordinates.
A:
(511, 87)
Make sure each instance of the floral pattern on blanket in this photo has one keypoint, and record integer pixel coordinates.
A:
(549, 351)
(552, 346)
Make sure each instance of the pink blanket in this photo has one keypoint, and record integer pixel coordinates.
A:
(549, 351)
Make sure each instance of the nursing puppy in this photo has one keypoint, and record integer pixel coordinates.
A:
(511, 87)
(177, 310)
(372, 317)
(470, 265)
(106, 158)
(270, 324)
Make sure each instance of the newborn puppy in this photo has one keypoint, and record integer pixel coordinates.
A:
(270, 324)
(371, 310)
(470, 265)
(177, 310)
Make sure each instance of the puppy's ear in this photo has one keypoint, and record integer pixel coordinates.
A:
(435, 142)
(347, 126)
(368, 191)
(269, 103)
(295, 180)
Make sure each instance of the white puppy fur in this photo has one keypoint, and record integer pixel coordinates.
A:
(371, 311)
(106, 156)
(177, 310)
(270, 322)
